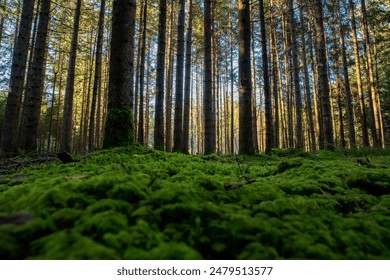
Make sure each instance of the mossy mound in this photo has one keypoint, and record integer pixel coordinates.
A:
(136, 203)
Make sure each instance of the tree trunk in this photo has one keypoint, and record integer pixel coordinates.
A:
(309, 111)
(98, 77)
(178, 117)
(159, 117)
(187, 84)
(119, 128)
(349, 107)
(69, 91)
(269, 135)
(18, 70)
(299, 139)
(141, 120)
(34, 92)
(363, 114)
(275, 76)
(244, 79)
(209, 114)
(231, 86)
(377, 135)
(169, 84)
(323, 83)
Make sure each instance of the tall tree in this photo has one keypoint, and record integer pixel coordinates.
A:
(18, 70)
(308, 97)
(363, 116)
(299, 141)
(178, 119)
(269, 135)
(169, 82)
(34, 91)
(347, 87)
(159, 117)
(97, 87)
(245, 78)
(119, 127)
(187, 82)
(69, 91)
(209, 114)
(141, 122)
(323, 82)
(375, 110)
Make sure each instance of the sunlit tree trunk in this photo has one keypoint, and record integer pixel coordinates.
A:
(348, 94)
(98, 77)
(269, 135)
(69, 91)
(169, 83)
(209, 114)
(323, 83)
(141, 119)
(363, 114)
(299, 139)
(187, 84)
(372, 83)
(275, 80)
(308, 97)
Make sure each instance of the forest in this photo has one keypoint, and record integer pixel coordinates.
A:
(194, 129)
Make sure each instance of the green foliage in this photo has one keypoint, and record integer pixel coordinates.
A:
(134, 203)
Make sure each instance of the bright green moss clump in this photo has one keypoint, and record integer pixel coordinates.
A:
(135, 203)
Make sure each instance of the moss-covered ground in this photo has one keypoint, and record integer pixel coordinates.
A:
(134, 203)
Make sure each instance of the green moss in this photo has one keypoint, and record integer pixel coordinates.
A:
(96, 226)
(70, 245)
(135, 203)
(119, 127)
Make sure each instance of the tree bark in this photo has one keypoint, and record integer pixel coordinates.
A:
(363, 114)
(299, 139)
(349, 105)
(187, 83)
(269, 135)
(159, 117)
(98, 77)
(34, 92)
(377, 135)
(119, 128)
(309, 111)
(178, 117)
(141, 120)
(244, 79)
(209, 114)
(322, 69)
(18, 70)
(69, 91)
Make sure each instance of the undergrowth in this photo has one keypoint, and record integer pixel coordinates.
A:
(135, 203)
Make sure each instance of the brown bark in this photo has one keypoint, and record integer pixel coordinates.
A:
(18, 69)
(34, 92)
(159, 117)
(69, 91)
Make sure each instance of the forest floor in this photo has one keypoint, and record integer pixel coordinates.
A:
(136, 203)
